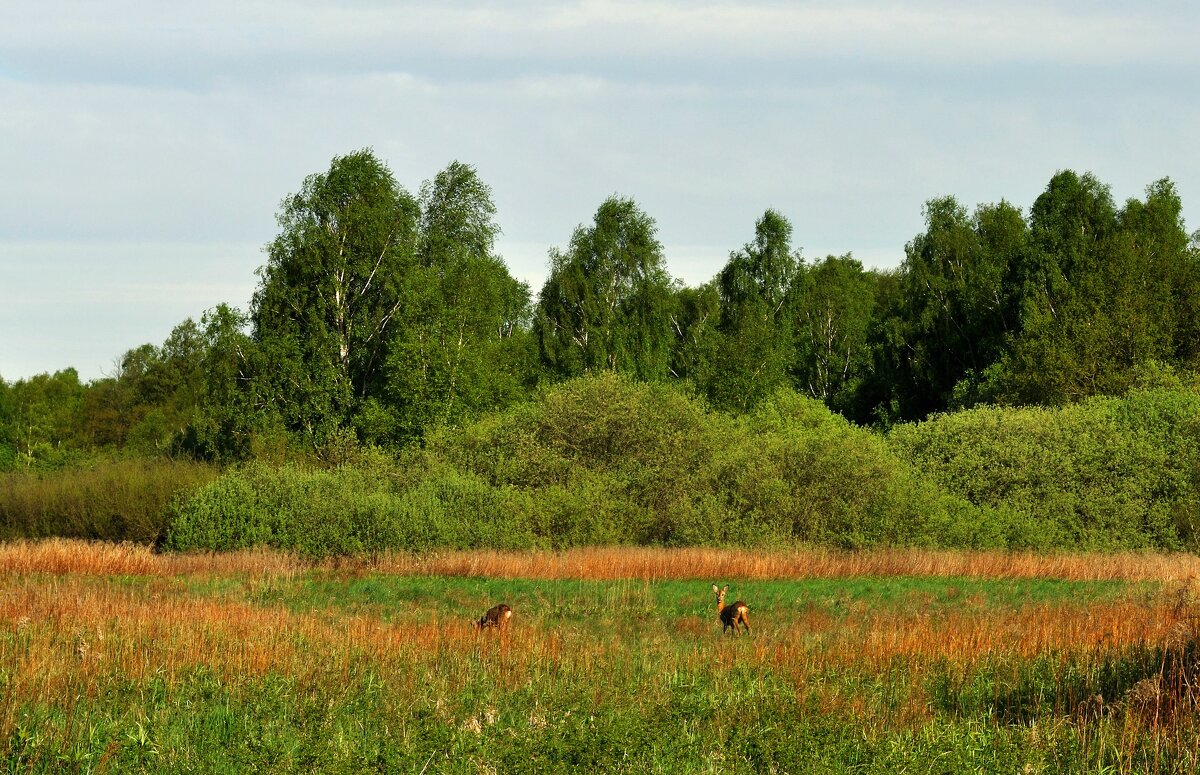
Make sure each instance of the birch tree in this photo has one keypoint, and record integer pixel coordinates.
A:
(607, 303)
(458, 346)
(332, 288)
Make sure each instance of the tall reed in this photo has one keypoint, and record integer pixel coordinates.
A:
(68, 556)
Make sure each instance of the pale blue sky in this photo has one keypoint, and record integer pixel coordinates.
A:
(145, 147)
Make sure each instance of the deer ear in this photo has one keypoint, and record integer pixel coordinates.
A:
(726, 589)
(715, 590)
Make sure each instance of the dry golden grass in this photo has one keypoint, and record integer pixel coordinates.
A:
(610, 563)
(75, 625)
(67, 631)
(60, 556)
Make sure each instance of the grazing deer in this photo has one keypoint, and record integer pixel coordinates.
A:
(496, 616)
(731, 615)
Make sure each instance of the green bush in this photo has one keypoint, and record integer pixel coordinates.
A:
(312, 512)
(607, 460)
(1102, 475)
(798, 472)
(602, 460)
(109, 499)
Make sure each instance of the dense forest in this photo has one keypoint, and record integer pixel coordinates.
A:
(1024, 378)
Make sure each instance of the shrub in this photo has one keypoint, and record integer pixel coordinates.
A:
(110, 499)
(606, 460)
(1103, 475)
(798, 472)
(601, 460)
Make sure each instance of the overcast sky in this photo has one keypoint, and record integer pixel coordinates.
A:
(145, 146)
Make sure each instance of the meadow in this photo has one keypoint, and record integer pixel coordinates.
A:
(114, 658)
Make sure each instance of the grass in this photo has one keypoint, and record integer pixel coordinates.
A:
(113, 659)
(610, 563)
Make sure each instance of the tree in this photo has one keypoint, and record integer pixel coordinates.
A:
(8, 442)
(694, 318)
(236, 402)
(757, 278)
(607, 303)
(950, 320)
(459, 343)
(756, 349)
(151, 400)
(832, 309)
(44, 412)
(1102, 292)
(326, 308)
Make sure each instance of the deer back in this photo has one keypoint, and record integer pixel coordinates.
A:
(735, 611)
(496, 616)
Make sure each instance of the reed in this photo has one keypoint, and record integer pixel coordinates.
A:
(117, 499)
(64, 556)
(610, 563)
(69, 556)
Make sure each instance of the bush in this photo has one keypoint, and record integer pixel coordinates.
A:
(606, 460)
(602, 460)
(798, 472)
(109, 499)
(1103, 475)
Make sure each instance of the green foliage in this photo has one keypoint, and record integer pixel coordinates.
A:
(606, 305)
(606, 460)
(1106, 474)
(696, 313)
(232, 414)
(384, 313)
(1102, 292)
(335, 278)
(805, 474)
(109, 499)
(461, 342)
(755, 349)
(1069, 303)
(952, 311)
(39, 416)
(344, 511)
(832, 304)
(601, 460)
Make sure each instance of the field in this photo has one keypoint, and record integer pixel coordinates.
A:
(115, 659)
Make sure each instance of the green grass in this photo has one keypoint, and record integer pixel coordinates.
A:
(626, 676)
(390, 596)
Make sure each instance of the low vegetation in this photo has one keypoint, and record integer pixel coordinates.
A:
(123, 499)
(609, 461)
(114, 659)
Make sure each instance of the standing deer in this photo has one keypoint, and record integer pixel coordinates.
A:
(496, 616)
(731, 615)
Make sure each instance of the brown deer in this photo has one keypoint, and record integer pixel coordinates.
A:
(731, 615)
(497, 616)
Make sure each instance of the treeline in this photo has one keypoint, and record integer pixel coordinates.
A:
(1022, 380)
(381, 316)
(609, 460)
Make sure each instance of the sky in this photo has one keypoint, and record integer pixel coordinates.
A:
(145, 146)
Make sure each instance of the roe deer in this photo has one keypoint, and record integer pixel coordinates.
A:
(731, 615)
(496, 616)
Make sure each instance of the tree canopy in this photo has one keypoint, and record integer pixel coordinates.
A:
(381, 316)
